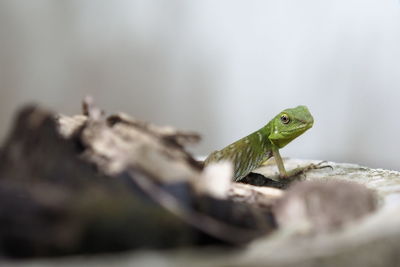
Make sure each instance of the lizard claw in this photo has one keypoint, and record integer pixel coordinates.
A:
(319, 165)
(302, 170)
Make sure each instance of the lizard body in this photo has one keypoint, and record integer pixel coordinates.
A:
(251, 151)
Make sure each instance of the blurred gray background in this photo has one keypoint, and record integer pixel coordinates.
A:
(223, 68)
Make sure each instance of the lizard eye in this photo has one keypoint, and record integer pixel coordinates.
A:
(285, 119)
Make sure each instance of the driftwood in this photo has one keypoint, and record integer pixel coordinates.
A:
(372, 240)
(90, 183)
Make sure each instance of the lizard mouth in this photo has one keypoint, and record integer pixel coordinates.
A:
(307, 123)
(299, 130)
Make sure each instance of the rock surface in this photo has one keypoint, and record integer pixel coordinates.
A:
(371, 241)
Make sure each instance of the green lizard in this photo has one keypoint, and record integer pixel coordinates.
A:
(251, 151)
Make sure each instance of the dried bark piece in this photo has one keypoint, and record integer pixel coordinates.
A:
(53, 202)
(96, 184)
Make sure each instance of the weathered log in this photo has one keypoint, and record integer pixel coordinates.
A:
(370, 241)
(88, 183)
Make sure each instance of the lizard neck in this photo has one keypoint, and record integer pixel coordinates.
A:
(263, 136)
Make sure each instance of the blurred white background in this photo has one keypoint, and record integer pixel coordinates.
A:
(223, 68)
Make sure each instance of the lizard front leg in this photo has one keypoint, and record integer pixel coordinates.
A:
(292, 174)
(279, 162)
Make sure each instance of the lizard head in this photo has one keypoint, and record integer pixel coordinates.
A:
(289, 124)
